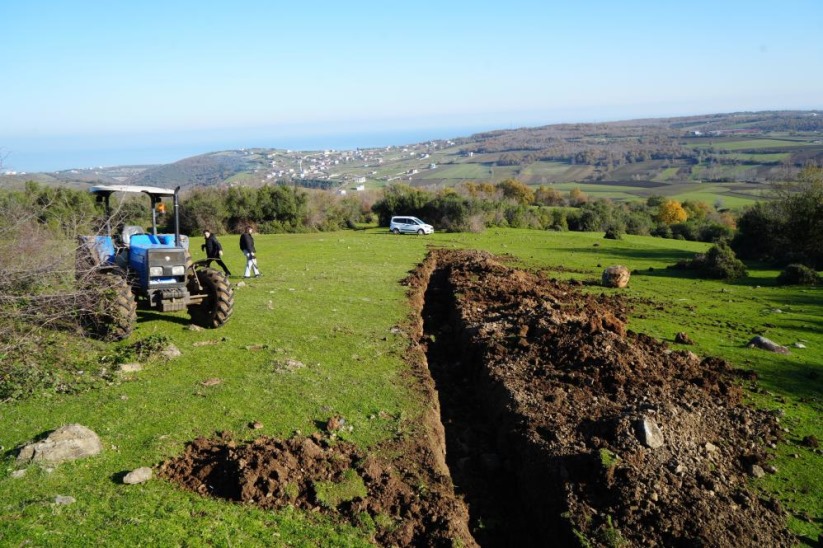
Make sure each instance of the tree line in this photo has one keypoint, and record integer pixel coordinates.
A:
(511, 203)
(788, 228)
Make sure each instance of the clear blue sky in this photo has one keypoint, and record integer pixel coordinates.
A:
(148, 75)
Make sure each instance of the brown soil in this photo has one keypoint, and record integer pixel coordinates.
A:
(274, 473)
(541, 391)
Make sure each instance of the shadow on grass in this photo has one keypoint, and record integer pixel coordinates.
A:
(783, 373)
(806, 297)
(663, 272)
(809, 326)
(118, 477)
(147, 316)
(801, 380)
(14, 452)
(813, 294)
(662, 255)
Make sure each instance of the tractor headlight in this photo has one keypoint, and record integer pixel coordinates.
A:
(178, 270)
(156, 271)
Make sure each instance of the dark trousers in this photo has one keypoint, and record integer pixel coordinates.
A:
(222, 265)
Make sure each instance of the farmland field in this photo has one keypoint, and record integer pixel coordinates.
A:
(546, 172)
(323, 334)
(467, 171)
(752, 144)
(667, 174)
(766, 158)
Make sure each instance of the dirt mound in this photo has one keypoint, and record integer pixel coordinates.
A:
(592, 433)
(559, 427)
(317, 474)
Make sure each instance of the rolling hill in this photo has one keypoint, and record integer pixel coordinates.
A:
(736, 155)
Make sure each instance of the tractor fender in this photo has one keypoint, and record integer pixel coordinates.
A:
(201, 263)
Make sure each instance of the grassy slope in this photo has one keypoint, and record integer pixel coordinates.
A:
(330, 301)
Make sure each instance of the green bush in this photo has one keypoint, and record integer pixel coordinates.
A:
(719, 262)
(722, 263)
(714, 232)
(614, 231)
(639, 223)
(558, 220)
(401, 199)
(798, 274)
(684, 231)
(662, 231)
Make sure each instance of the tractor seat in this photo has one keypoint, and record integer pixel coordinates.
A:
(129, 231)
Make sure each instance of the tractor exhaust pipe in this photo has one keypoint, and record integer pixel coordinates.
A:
(177, 218)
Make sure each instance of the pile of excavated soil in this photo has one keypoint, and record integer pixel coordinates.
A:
(561, 428)
(580, 430)
(382, 496)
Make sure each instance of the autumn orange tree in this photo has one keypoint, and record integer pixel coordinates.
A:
(671, 212)
(577, 197)
(514, 189)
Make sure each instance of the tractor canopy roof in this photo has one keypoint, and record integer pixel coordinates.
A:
(150, 190)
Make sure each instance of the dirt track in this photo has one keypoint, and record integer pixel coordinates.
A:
(543, 396)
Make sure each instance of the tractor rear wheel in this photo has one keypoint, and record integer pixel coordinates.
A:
(112, 311)
(217, 307)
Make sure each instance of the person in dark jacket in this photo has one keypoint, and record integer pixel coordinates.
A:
(247, 247)
(214, 250)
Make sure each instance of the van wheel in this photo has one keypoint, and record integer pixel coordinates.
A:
(420, 232)
(396, 231)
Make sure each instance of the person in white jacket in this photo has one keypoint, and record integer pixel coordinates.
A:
(247, 247)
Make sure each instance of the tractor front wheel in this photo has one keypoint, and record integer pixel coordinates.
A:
(217, 306)
(112, 311)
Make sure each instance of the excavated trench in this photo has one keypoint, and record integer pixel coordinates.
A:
(547, 424)
(510, 503)
(563, 428)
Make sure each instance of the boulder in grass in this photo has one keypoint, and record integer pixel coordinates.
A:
(616, 276)
(766, 344)
(683, 338)
(69, 442)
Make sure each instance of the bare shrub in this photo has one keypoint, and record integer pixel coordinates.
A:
(41, 287)
(476, 223)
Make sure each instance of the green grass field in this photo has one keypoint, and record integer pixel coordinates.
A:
(751, 144)
(731, 195)
(613, 192)
(330, 301)
(767, 158)
(667, 174)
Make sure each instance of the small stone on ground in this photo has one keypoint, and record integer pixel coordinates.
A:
(140, 475)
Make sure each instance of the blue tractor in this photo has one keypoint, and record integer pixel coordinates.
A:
(142, 268)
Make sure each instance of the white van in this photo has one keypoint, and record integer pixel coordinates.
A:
(409, 225)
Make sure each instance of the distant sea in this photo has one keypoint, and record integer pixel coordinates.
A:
(62, 153)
